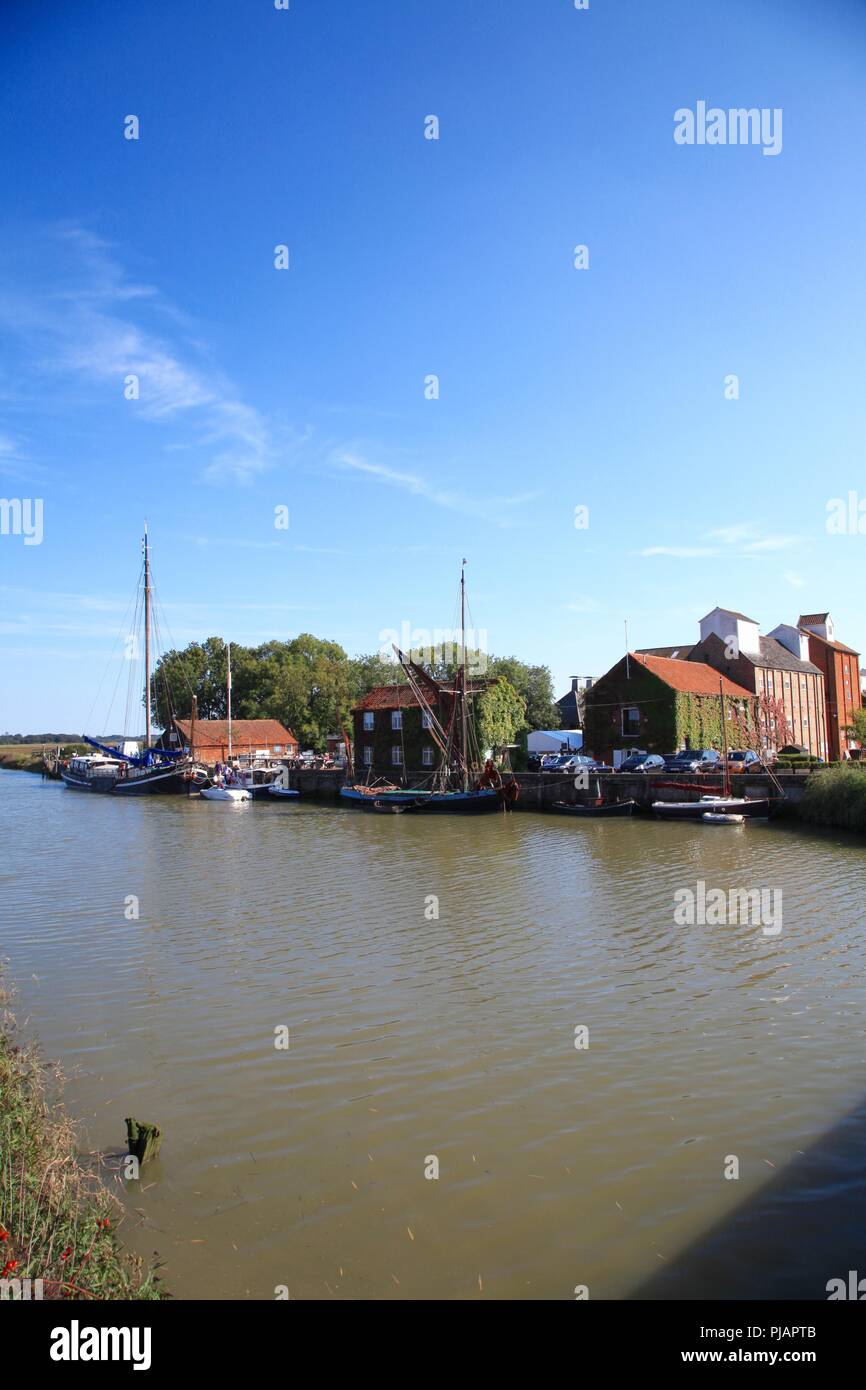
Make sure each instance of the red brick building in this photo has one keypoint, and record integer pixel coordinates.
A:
(789, 687)
(249, 736)
(841, 669)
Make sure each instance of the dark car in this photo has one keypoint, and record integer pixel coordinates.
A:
(642, 762)
(693, 760)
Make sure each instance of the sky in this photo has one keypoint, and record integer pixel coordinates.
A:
(606, 388)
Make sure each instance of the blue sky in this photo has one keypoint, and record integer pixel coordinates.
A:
(559, 387)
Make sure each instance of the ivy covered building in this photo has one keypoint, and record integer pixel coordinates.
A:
(392, 736)
(660, 704)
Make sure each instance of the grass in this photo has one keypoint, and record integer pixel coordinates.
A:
(58, 1221)
(27, 757)
(836, 796)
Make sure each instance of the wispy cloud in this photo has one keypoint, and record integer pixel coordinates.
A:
(77, 315)
(491, 509)
(742, 541)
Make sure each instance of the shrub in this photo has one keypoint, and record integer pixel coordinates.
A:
(836, 796)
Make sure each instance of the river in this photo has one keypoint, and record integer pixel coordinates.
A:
(418, 1040)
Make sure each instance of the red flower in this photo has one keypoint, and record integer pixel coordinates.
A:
(67, 1252)
(10, 1264)
(4, 1235)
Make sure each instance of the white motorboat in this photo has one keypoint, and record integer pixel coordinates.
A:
(722, 818)
(226, 794)
(276, 789)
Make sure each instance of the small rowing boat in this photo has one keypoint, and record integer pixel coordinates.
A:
(722, 818)
(605, 808)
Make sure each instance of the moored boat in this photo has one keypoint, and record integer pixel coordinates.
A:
(758, 806)
(127, 769)
(226, 794)
(589, 808)
(460, 785)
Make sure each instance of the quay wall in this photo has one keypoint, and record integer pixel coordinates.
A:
(538, 791)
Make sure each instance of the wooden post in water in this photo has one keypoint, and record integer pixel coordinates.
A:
(143, 1140)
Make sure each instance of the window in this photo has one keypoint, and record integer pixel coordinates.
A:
(397, 755)
(396, 719)
(427, 757)
(278, 748)
(368, 719)
(426, 721)
(368, 755)
(630, 721)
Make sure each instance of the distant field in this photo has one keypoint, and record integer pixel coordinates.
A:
(28, 756)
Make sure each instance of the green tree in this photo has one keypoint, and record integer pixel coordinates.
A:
(857, 727)
(535, 684)
(500, 714)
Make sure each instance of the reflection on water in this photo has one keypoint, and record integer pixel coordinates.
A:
(413, 1036)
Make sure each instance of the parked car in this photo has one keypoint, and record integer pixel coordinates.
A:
(568, 762)
(693, 760)
(744, 760)
(643, 762)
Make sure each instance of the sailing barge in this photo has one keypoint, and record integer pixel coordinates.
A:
(460, 785)
(125, 769)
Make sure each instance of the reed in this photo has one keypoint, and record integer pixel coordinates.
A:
(58, 1220)
(836, 796)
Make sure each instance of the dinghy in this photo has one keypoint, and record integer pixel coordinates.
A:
(226, 794)
(722, 818)
(289, 793)
(605, 808)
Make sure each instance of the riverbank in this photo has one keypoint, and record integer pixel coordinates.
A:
(20, 757)
(58, 1221)
(836, 796)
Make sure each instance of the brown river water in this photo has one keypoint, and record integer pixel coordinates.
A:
(452, 1038)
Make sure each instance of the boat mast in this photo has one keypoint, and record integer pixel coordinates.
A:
(147, 636)
(229, 694)
(463, 675)
(726, 786)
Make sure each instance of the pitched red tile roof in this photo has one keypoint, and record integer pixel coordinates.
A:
(401, 696)
(691, 677)
(387, 697)
(259, 733)
(837, 646)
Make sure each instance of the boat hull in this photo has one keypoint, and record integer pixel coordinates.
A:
(694, 810)
(472, 803)
(170, 782)
(612, 808)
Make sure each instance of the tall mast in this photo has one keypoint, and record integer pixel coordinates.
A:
(463, 674)
(229, 693)
(147, 635)
(726, 788)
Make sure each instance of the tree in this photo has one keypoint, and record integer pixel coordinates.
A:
(535, 684)
(857, 728)
(500, 714)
